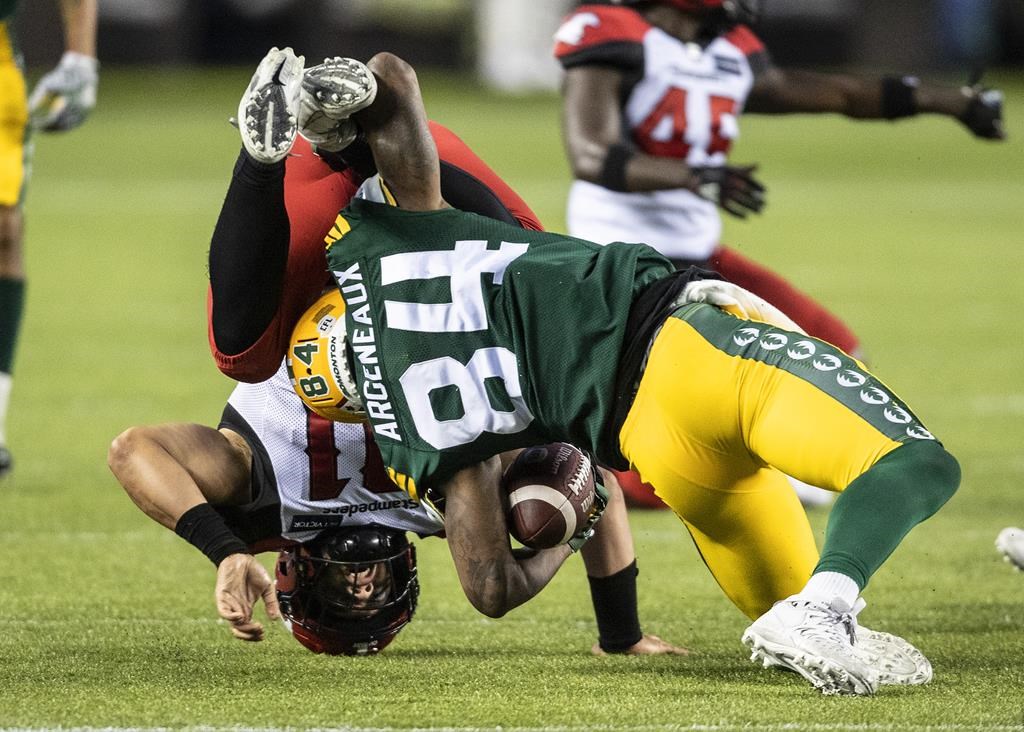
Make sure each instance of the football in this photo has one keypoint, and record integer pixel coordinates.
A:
(550, 491)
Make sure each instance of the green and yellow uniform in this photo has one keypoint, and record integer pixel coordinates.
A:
(13, 113)
(470, 337)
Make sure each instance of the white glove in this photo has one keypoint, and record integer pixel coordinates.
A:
(739, 302)
(64, 97)
(268, 110)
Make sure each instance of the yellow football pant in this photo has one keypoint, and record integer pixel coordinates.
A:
(724, 408)
(13, 123)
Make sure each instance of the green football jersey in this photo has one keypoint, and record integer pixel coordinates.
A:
(470, 336)
(7, 8)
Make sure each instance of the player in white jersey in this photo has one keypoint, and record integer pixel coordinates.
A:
(277, 476)
(653, 93)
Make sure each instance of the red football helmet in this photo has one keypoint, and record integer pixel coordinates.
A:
(735, 11)
(349, 592)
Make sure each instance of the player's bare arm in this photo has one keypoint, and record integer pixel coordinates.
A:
(64, 97)
(80, 18)
(494, 579)
(175, 473)
(167, 469)
(780, 91)
(594, 131)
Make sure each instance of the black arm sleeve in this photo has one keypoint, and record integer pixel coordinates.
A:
(248, 255)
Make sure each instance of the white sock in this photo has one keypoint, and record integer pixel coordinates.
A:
(826, 586)
(5, 397)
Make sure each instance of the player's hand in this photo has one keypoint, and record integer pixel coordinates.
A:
(63, 98)
(739, 302)
(984, 113)
(733, 188)
(268, 111)
(241, 581)
(648, 645)
(600, 504)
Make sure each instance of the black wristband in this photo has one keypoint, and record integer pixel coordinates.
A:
(613, 172)
(899, 96)
(614, 598)
(204, 528)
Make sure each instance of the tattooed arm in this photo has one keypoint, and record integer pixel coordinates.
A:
(494, 579)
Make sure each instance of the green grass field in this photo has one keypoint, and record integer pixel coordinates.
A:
(913, 231)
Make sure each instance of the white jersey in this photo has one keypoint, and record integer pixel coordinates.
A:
(328, 474)
(684, 102)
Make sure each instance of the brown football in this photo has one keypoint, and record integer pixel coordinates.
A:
(550, 491)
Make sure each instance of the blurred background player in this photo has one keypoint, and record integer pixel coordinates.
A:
(268, 263)
(60, 101)
(652, 96)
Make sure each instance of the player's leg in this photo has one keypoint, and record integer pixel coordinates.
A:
(170, 468)
(12, 300)
(13, 167)
(809, 313)
(817, 414)
(798, 405)
(682, 435)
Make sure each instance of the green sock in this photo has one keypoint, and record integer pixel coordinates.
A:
(874, 513)
(12, 302)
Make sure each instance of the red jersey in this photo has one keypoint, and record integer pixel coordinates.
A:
(314, 193)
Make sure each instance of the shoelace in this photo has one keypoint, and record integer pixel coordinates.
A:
(846, 619)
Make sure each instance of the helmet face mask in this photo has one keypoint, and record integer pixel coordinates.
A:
(351, 591)
(318, 365)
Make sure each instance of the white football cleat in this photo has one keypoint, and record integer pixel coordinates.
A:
(268, 110)
(816, 640)
(896, 661)
(339, 87)
(1010, 544)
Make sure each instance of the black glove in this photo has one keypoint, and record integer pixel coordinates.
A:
(984, 113)
(734, 189)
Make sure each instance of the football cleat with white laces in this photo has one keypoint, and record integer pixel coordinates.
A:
(268, 110)
(1010, 544)
(816, 640)
(339, 87)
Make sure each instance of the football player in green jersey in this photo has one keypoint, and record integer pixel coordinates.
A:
(60, 101)
(468, 337)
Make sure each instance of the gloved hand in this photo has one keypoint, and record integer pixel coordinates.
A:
(63, 98)
(600, 503)
(984, 113)
(742, 303)
(732, 188)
